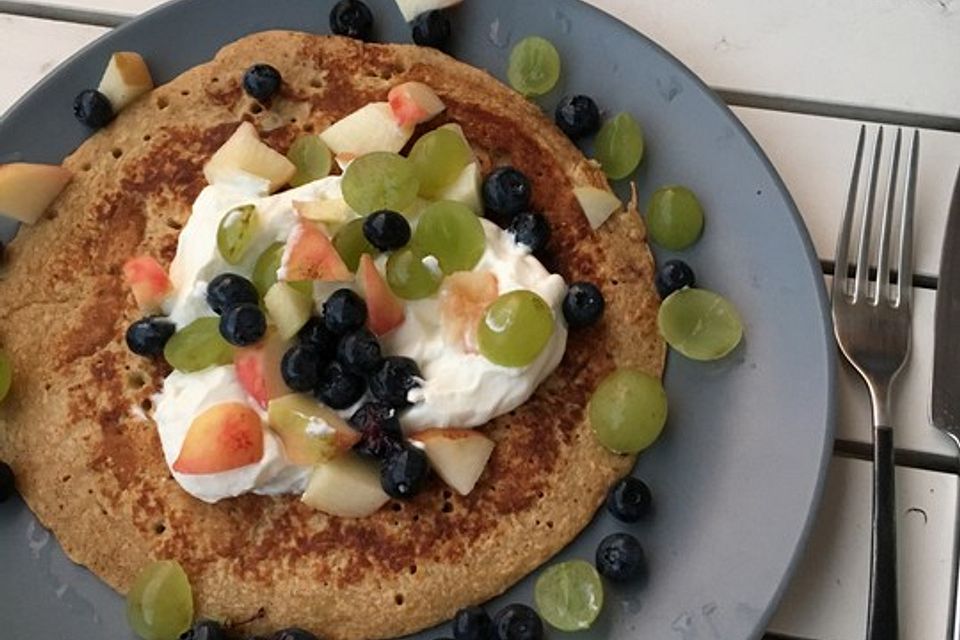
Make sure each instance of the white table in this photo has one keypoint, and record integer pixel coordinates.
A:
(802, 76)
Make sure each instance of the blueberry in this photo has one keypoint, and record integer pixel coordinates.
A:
(300, 367)
(93, 109)
(351, 18)
(3, 251)
(359, 352)
(344, 311)
(386, 230)
(432, 29)
(583, 305)
(204, 630)
(517, 622)
(316, 334)
(629, 500)
(530, 229)
(673, 276)
(578, 116)
(228, 290)
(506, 192)
(472, 623)
(8, 484)
(262, 81)
(293, 633)
(394, 379)
(402, 474)
(243, 325)
(337, 387)
(380, 433)
(147, 336)
(620, 558)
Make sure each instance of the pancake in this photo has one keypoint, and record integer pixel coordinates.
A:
(76, 427)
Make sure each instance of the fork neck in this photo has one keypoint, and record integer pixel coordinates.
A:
(880, 401)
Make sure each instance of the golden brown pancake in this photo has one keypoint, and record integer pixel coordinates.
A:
(90, 465)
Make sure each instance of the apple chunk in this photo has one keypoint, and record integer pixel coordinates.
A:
(148, 281)
(346, 486)
(368, 129)
(311, 432)
(224, 437)
(414, 103)
(459, 456)
(125, 79)
(597, 204)
(412, 8)
(243, 155)
(27, 190)
(309, 255)
(384, 310)
(258, 368)
(288, 308)
(466, 188)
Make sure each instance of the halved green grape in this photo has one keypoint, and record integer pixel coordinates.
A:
(197, 346)
(351, 243)
(409, 277)
(674, 217)
(265, 271)
(312, 159)
(438, 158)
(628, 410)
(569, 595)
(6, 374)
(236, 231)
(619, 146)
(160, 602)
(534, 66)
(378, 181)
(515, 329)
(452, 233)
(700, 324)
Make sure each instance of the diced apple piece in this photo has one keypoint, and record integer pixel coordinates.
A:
(288, 308)
(370, 128)
(224, 437)
(457, 455)
(311, 432)
(414, 103)
(464, 298)
(597, 204)
(244, 152)
(27, 190)
(148, 281)
(412, 8)
(125, 79)
(346, 486)
(466, 188)
(384, 310)
(309, 255)
(332, 213)
(258, 368)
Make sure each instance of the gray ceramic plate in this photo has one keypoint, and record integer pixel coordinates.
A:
(738, 472)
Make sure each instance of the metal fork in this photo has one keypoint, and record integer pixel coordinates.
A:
(871, 318)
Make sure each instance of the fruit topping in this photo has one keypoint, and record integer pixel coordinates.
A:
(569, 595)
(8, 483)
(259, 369)
(237, 230)
(506, 192)
(674, 217)
(465, 189)
(205, 630)
(288, 308)
(700, 324)
(346, 486)
(459, 456)
(413, 103)
(160, 602)
(411, 275)
(620, 558)
(386, 230)
(534, 66)
(673, 276)
(92, 109)
(148, 282)
(244, 153)
(226, 436)
(338, 388)
(262, 81)
(464, 298)
(351, 243)
(310, 432)
(300, 367)
(578, 116)
(243, 325)
(402, 474)
(316, 334)
(344, 311)
(380, 433)
(125, 79)
(515, 329)
(384, 311)
(394, 380)
(597, 204)
(432, 29)
(197, 346)
(372, 128)
(380, 180)
(6, 374)
(531, 230)
(228, 290)
(310, 255)
(629, 500)
(334, 214)
(413, 8)
(628, 410)
(27, 190)
(351, 18)
(438, 158)
(452, 234)
(472, 623)
(147, 337)
(359, 352)
(583, 305)
(266, 268)
(619, 146)
(517, 622)
(312, 159)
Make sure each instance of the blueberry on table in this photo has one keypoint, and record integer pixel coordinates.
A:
(517, 622)
(629, 500)
(148, 336)
(243, 325)
(380, 432)
(300, 367)
(351, 18)
(402, 474)
(344, 311)
(93, 109)
(531, 230)
(673, 276)
(337, 387)
(228, 290)
(359, 352)
(583, 305)
(262, 81)
(506, 192)
(204, 630)
(394, 379)
(472, 623)
(620, 558)
(432, 29)
(8, 483)
(293, 633)
(386, 230)
(316, 334)
(578, 116)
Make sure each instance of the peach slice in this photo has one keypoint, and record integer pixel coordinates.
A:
(464, 298)
(224, 437)
(125, 79)
(459, 456)
(244, 154)
(311, 432)
(368, 129)
(384, 310)
(346, 486)
(258, 368)
(310, 255)
(413, 103)
(148, 281)
(27, 190)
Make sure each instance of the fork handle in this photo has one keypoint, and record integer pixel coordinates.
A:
(882, 619)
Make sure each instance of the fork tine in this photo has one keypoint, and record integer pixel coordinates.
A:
(842, 260)
(860, 287)
(905, 278)
(883, 260)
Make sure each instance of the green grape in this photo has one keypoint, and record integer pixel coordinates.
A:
(674, 217)
(515, 329)
(265, 271)
(160, 602)
(438, 158)
(236, 232)
(534, 66)
(408, 277)
(351, 243)
(378, 181)
(6, 374)
(569, 595)
(452, 233)
(197, 346)
(628, 410)
(619, 146)
(700, 324)
(312, 159)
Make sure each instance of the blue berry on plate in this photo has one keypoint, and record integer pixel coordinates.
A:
(8, 484)
(386, 230)
(531, 230)
(394, 379)
(380, 432)
(583, 305)
(93, 109)
(673, 276)
(517, 622)
(204, 630)
(620, 558)
(351, 18)
(337, 387)
(293, 633)
(243, 325)
(300, 367)
(506, 192)
(344, 311)
(316, 334)
(402, 474)
(262, 81)
(147, 336)
(472, 623)
(578, 116)
(360, 352)
(432, 29)
(629, 500)
(228, 290)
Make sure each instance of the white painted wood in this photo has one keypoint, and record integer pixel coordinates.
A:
(827, 598)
